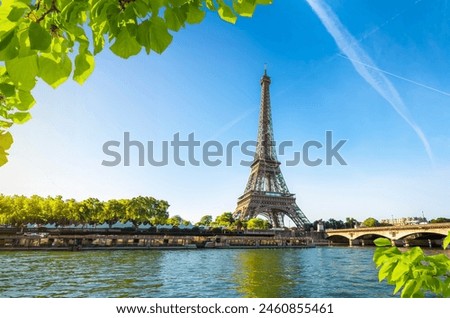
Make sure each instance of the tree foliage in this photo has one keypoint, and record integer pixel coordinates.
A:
(440, 220)
(226, 220)
(19, 210)
(371, 222)
(350, 222)
(53, 40)
(258, 224)
(412, 272)
(333, 224)
(177, 220)
(205, 220)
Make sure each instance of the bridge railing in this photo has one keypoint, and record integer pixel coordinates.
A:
(393, 227)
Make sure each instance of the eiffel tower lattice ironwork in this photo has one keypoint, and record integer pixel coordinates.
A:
(266, 193)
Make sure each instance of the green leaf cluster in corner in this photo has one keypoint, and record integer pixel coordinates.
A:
(413, 272)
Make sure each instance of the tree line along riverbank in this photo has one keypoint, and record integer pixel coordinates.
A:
(21, 211)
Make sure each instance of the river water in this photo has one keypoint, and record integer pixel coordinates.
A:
(314, 272)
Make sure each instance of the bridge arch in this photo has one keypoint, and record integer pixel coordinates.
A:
(406, 234)
(376, 234)
(339, 235)
(350, 239)
(339, 239)
(429, 232)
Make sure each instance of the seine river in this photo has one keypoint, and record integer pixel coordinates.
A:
(315, 272)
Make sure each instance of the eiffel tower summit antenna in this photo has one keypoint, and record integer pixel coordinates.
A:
(266, 193)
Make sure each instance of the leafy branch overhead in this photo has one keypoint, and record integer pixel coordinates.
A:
(57, 39)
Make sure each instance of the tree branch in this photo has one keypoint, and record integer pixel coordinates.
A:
(53, 8)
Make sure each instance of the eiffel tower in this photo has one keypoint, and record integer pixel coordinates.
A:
(266, 193)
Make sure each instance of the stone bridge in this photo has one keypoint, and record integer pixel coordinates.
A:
(394, 233)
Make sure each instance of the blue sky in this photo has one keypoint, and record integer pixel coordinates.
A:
(207, 82)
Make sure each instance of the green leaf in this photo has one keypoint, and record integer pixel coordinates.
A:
(140, 7)
(383, 254)
(195, 14)
(386, 269)
(130, 13)
(7, 90)
(84, 66)
(73, 11)
(446, 288)
(26, 100)
(40, 38)
(5, 124)
(399, 284)
(175, 18)
(440, 261)
(382, 242)
(9, 45)
(23, 71)
(99, 29)
(160, 37)
(210, 5)
(156, 4)
(6, 140)
(379, 256)
(54, 71)
(180, 3)
(17, 12)
(20, 117)
(97, 7)
(414, 254)
(446, 241)
(226, 13)
(409, 288)
(143, 35)
(244, 8)
(125, 45)
(400, 269)
(115, 23)
(6, 39)
(3, 157)
(59, 45)
(132, 29)
(5, 10)
(432, 283)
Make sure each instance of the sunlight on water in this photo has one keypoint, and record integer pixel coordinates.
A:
(317, 272)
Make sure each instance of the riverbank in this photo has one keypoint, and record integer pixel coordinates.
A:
(147, 242)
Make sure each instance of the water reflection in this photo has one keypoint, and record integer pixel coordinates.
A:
(266, 273)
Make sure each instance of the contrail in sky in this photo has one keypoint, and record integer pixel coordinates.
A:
(231, 123)
(398, 76)
(360, 59)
